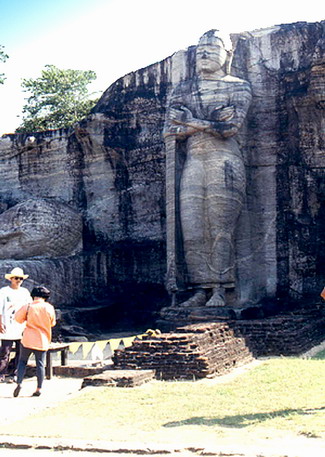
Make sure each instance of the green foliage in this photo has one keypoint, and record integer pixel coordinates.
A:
(59, 99)
(3, 58)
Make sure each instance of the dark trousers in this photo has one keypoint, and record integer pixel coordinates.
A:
(40, 364)
(5, 349)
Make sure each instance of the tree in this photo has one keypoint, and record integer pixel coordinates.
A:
(59, 99)
(3, 58)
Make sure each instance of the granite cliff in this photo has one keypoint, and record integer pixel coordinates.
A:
(109, 171)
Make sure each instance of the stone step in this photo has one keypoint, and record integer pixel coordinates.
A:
(119, 378)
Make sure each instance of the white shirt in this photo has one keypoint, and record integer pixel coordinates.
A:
(10, 301)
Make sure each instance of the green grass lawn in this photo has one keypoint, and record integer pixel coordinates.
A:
(276, 396)
(319, 356)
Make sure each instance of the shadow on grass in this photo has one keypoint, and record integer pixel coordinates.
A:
(244, 420)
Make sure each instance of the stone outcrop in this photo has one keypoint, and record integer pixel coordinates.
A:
(110, 170)
(39, 228)
(284, 150)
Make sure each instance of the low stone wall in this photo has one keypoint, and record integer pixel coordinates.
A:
(291, 334)
(191, 352)
(119, 378)
(77, 371)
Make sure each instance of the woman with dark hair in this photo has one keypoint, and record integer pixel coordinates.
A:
(40, 318)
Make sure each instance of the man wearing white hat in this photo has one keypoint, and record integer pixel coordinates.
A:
(12, 298)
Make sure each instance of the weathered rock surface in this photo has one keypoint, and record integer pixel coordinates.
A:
(110, 169)
(39, 228)
(284, 147)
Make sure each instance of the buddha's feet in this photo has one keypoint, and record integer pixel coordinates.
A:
(198, 299)
(217, 299)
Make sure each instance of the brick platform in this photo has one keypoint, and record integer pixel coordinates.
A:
(191, 352)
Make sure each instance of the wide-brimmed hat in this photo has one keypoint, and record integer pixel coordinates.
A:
(16, 272)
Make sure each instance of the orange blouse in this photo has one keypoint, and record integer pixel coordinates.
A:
(40, 318)
(323, 293)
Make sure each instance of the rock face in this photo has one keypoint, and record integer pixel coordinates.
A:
(38, 228)
(285, 152)
(110, 170)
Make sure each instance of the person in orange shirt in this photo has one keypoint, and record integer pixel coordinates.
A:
(40, 318)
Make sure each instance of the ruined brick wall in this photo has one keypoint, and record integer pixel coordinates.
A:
(291, 334)
(191, 352)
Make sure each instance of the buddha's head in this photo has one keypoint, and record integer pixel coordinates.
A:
(211, 54)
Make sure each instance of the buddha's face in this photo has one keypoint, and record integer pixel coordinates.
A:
(210, 58)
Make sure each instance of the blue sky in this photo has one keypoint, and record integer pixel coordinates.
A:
(115, 37)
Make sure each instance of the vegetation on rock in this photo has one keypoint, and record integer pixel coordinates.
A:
(3, 58)
(58, 99)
